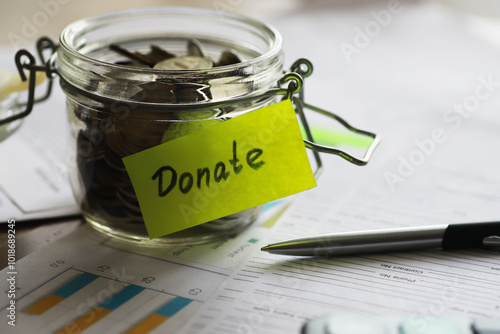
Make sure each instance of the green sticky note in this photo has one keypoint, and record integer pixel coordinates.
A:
(221, 169)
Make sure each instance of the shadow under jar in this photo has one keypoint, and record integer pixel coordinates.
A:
(135, 79)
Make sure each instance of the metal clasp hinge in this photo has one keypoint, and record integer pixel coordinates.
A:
(43, 44)
(303, 68)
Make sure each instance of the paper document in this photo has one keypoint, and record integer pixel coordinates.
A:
(231, 285)
(83, 281)
(278, 294)
(33, 170)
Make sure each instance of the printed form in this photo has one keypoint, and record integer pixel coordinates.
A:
(85, 281)
(277, 294)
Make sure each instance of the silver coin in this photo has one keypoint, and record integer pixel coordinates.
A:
(128, 202)
(228, 58)
(195, 48)
(184, 63)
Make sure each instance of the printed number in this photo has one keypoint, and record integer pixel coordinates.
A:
(148, 279)
(103, 268)
(57, 263)
(195, 291)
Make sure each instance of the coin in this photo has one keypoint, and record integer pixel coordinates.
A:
(195, 48)
(114, 161)
(115, 141)
(183, 128)
(128, 202)
(116, 215)
(111, 177)
(86, 172)
(158, 54)
(133, 55)
(228, 58)
(103, 197)
(184, 63)
(128, 192)
(86, 150)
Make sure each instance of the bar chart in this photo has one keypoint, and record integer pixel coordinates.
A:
(77, 301)
(161, 315)
(87, 284)
(60, 294)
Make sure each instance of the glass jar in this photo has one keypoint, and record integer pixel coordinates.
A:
(117, 106)
(135, 79)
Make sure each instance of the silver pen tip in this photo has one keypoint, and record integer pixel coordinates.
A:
(265, 248)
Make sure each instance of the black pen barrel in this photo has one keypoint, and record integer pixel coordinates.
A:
(468, 235)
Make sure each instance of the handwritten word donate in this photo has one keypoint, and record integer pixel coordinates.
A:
(169, 179)
(186, 180)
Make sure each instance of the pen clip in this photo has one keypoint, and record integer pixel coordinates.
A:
(492, 242)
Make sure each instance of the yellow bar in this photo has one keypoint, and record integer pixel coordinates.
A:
(44, 304)
(148, 324)
(85, 321)
(271, 221)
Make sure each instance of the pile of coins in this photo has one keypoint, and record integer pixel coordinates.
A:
(120, 130)
(158, 58)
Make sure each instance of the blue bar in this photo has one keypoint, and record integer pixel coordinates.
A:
(269, 205)
(173, 306)
(122, 297)
(74, 285)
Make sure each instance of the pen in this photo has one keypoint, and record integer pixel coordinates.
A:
(452, 236)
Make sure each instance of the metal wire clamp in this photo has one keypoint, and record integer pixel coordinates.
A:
(303, 68)
(43, 44)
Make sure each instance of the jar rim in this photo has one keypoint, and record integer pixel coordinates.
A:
(71, 31)
(86, 61)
